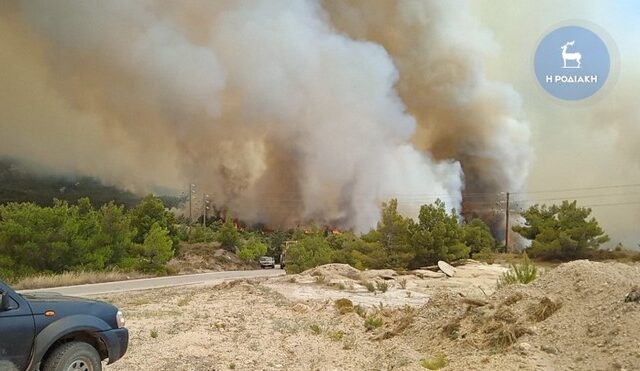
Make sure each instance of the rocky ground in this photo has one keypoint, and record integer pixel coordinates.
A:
(573, 317)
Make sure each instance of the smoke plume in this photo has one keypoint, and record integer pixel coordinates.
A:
(284, 112)
(439, 50)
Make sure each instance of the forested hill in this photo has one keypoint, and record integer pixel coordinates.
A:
(20, 185)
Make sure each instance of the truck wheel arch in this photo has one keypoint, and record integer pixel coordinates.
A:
(79, 327)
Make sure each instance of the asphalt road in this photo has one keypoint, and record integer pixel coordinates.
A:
(159, 282)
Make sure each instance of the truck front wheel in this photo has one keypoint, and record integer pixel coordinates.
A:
(73, 356)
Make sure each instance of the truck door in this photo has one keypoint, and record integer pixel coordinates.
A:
(16, 332)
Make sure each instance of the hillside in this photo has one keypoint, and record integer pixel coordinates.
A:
(19, 184)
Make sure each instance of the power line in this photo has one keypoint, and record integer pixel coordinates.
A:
(613, 204)
(580, 196)
(579, 189)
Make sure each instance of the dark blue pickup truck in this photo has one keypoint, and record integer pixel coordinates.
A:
(51, 332)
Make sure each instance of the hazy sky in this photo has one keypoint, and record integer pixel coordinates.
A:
(576, 144)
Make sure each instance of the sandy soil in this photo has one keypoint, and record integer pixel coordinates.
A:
(573, 317)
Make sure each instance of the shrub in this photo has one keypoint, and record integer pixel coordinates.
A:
(485, 255)
(344, 306)
(369, 285)
(519, 273)
(315, 328)
(360, 310)
(372, 323)
(336, 335)
(403, 283)
(154, 333)
(435, 362)
(382, 286)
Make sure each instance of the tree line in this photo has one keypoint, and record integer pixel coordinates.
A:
(397, 242)
(64, 237)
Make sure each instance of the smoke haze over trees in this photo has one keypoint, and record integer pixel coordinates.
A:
(284, 112)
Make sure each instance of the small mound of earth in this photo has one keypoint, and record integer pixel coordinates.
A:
(333, 270)
(372, 274)
(575, 316)
(207, 257)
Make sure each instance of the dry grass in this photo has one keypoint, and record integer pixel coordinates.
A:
(544, 309)
(399, 326)
(513, 298)
(41, 281)
(452, 328)
(502, 335)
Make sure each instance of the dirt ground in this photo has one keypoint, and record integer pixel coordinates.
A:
(573, 317)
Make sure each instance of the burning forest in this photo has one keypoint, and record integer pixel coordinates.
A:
(281, 111)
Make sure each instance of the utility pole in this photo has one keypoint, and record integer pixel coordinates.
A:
(506, 229)
(191, 192)
(205, 206)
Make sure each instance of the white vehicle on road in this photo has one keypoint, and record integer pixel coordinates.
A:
(267, 262)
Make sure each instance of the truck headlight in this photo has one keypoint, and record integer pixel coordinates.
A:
(120, 319)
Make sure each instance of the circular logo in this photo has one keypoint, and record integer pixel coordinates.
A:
(572, 63)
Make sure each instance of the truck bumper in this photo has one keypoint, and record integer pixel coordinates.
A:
(117, 342)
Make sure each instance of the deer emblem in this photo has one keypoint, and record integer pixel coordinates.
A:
(570, 56)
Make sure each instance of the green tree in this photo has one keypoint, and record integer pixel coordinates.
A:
(53, 239)
(308, 252)
(477, 235)
(157, 249)
(563, 232)
(362, 254)
(394, 233)
(228, 235)
(199, 233)
(116, 233)
(148, 212)
(437, 236)
(252, 250)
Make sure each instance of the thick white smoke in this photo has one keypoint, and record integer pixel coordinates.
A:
(440, 51)
(265, 105)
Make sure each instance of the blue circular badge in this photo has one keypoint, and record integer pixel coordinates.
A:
(572, 63)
